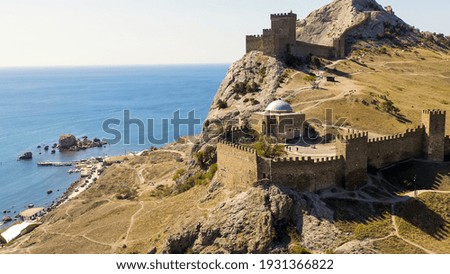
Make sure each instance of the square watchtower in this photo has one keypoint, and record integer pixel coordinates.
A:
(434, 122)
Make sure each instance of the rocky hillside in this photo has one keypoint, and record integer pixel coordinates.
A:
(334, 19)
(250, 84)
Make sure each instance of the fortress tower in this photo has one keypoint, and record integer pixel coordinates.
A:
(353, 148)
(277, 40)
(284, 31)
(434, 122)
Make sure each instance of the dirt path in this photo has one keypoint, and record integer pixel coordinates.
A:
(392, 201)
(397, 233)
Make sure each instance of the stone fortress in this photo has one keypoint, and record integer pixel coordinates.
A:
(281, 39)
(354, 153)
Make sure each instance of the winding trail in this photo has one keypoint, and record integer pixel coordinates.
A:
(397, 233)
(392, 201)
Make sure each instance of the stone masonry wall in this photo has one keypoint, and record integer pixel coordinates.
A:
(391, 149)
(254, 42)
(303, 49)
(237, 166)
(306, 174)
(447, 146)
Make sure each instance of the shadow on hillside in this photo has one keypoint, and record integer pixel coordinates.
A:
(373, 201)
(402, 118)
(418, 174)
(416, 213)
(339, 73)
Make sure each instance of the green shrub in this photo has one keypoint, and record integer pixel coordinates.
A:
(296, 249)
(206, 157)
(284, 76)
(255, 102)
(241, 88)
(266, 148)
(126, 194)
(222, 104)
(183, 187)
(384, 50)
(161, 191)
(180, 172)
(263, 72)
(211, 172)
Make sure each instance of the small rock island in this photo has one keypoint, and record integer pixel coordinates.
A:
(68, 142)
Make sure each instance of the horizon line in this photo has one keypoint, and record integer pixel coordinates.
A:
(113, 65)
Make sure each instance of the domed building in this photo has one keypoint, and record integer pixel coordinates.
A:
(279, 120)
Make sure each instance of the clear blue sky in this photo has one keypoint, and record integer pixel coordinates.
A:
(118, 32)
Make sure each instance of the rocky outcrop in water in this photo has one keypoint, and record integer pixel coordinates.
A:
(26, 156)
(68, 142)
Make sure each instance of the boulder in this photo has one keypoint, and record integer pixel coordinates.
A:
(67, 141)
(6, 219)
(26, 156)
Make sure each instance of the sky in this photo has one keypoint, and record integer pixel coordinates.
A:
(139, 32)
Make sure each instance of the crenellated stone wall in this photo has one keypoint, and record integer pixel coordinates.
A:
(237, 166)
(240, 167)
(391, 149)
(306, 174)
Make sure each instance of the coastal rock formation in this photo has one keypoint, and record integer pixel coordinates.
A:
(26, 156)
(6, 219)
(66, 141)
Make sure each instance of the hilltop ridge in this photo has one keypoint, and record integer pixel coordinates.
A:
(335, 19)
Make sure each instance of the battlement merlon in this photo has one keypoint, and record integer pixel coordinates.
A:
(308, 159)
(280, 15)
(354, 136)
(258, 36)
(238, 147)
(408, 132)
(434, 112)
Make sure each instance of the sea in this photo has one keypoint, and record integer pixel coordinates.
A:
(37, 105)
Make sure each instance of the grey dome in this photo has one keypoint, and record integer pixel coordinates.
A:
(279, 106)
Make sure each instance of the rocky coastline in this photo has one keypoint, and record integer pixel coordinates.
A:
(66, 142)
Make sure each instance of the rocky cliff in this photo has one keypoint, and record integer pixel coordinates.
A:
(250, 84)
(336, 18)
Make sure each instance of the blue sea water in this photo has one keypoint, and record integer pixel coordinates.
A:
(39, 104)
